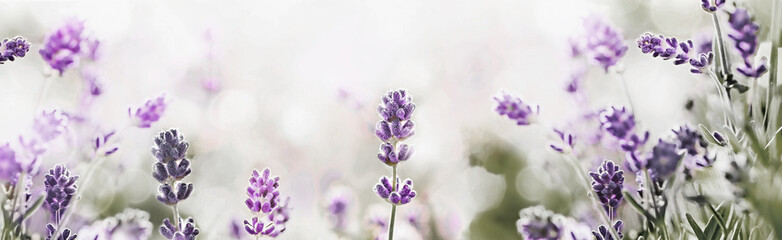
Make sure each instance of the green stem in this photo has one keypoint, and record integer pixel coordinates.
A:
(176, 216)
(720, 45)
(393, 207)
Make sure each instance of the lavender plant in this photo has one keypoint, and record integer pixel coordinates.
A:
(60, 188)
(396, 109)
(13, 49)
(170, 169)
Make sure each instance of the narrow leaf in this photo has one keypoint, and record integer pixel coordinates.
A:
(35, 207)
(696, 228)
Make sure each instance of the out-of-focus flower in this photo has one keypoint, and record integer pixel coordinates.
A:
(60, 187)
(50, 125)
(14, 48)
(745, 36)
(102, 146)
(279, 216)
(681, 52)
(607, 182)
(185, 231)
(537, 223)
(516, 109)
(711, 6)
(567, 139)
(400, 196)
(620, 123)
(663, 160)
(602, 232)
(132, 224)
(235, 229)
(703, 41)
(339, 201)
(150, 113)
(603, 43)
(62, 47)
(9, 166)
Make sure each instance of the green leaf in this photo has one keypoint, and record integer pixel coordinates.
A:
(696, 228)
(35, 207)
(637, 206)
(711, 229)
(718, 216)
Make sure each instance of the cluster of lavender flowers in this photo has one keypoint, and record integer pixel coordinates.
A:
(66, 45)
(620, 123)
(151, 112)
(396, 109)
(271, 211)
(170, 150)
(516, 109)
(13, 49)
(745, 39)
(670, 48)
(537, 223)
(601, 43)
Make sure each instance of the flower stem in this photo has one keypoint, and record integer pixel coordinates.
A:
(720, 45)
(393, 207)
(176, 217)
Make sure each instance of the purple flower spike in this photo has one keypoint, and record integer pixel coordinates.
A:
(14, 48)
(603, 43)
(663, 160)
(65, 234)
(262, 194)
(537, 223)
(396, 109)
(50, 125)
(403, 195)
(60, 187)
(150, 113)
(607, 182)
(670, 48)
(9, 166)
(185, 231)
(515, 109)
(745, 36)
(62, 48)
(170, 146)
(618, 122)
(602, 232)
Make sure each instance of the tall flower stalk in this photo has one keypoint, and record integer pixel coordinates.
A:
(396, 109)
(270, 210)
(171, 168)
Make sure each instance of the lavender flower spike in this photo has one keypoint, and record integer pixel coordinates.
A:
(537, 223)
(60, 187)
(603, 233)
(263, 199)
(663, 160)
(604, 43)
(516, 109)
(670, 48)
(150, 113)
(14, 48)
(746, 43)
(607, 183)
(396, 109)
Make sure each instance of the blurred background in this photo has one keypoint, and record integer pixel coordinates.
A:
(294, 86)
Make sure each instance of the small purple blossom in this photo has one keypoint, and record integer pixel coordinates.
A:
(102, 146)
(670, 48)
(711, 6)
(607, 182)
(185, 231)
(602, 232)
(603, 43)
(515, 109)
(170, 146)
(537, 223)
(337, 207)
(663, 160)
(60, 187)
(402, 195)
(745, 36)
(62, 47)
(50, 125)
(14, 48)
(150, 113)
(618, 122)
(66, 234)
(262, 194)
(567, 139)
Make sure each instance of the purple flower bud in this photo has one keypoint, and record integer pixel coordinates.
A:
(745, 37)
(65, 234)
(170, 146)
(50, 125)
(14, 48)
(150, 113)
(400, 196)
(185, 231)
(672, 48)
(396, 105)
(663, 160)
(602, 232)
(604, 43)
(262, 194)
(618, 122)
(515, 109)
